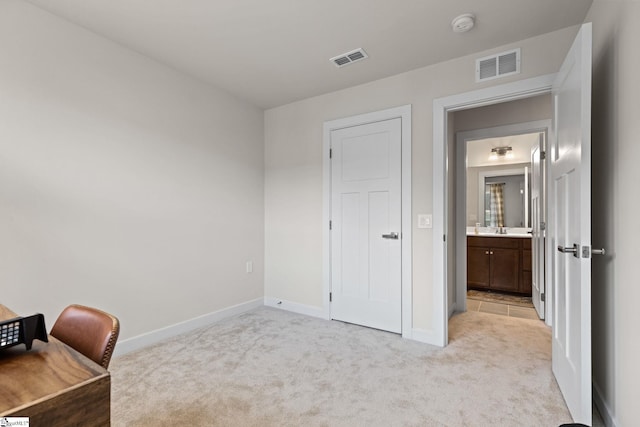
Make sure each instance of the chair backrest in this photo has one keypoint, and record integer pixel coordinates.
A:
(88, 330)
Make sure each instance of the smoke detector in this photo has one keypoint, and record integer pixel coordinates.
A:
(463, 23)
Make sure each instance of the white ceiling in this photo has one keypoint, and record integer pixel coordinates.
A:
(272, 52)
(478, 150)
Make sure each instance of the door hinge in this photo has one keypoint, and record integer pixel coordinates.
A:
(330, 153)
(330, 297)
(543, 225)
(542, 297)
(543, 155)
(444, 237)
(330, 225)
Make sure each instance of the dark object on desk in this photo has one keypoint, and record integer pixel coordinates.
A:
(89, 331)
(22, 330)
(53, 385)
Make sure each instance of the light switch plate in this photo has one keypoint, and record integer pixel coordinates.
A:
(425, 221)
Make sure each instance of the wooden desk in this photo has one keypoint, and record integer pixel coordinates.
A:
(53, 385)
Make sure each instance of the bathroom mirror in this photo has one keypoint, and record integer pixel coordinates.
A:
(503, 198)
(500, 160)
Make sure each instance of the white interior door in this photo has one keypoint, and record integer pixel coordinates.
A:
(366, 223)
(570, 227)
(537, 230)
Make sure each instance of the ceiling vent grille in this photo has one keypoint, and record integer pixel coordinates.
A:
(499, 65)
(349, 57)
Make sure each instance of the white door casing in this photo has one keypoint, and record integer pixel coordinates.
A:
(438, 332)
(537, 231)
(404, 113)
(366, 225)
(570, 227)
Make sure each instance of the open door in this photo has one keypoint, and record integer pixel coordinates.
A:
(570, 227)
(538, 219)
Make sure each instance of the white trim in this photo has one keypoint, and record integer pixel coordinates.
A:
(453, 308)
(159, 335)
(442, 106)
(404, 113)
(424, 335)
(603, 408)
(294, 307)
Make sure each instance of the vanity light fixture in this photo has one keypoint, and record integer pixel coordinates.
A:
(501, 152)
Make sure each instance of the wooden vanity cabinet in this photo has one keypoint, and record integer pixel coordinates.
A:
(497, 263)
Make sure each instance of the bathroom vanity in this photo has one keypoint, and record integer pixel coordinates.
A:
(499, 263)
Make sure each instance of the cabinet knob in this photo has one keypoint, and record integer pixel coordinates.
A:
(486, 252)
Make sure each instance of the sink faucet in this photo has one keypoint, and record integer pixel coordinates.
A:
(501, 230)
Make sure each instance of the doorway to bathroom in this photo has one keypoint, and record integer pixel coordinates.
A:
(501, 208)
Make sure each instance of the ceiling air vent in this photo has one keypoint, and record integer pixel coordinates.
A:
(349, 57)
(499, 65)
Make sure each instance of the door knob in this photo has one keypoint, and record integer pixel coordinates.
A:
(392, 235)
(569, 250)
(587, 252)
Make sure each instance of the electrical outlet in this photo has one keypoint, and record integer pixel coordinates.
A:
(249, 266)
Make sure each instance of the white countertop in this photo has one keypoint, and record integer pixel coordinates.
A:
(491, 232)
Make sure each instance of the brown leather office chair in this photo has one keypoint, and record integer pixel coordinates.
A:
(90, 331)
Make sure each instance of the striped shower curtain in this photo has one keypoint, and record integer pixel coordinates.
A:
(497, 204)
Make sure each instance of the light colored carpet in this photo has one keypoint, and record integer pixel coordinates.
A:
(273, 368)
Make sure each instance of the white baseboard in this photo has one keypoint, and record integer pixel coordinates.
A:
(420, 335)
(295, 307)
(425, 336)
(603, 408)
(159, 335)
(452, 309)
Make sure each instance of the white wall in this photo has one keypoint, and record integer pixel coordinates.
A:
(293, 166)
(123, 184)
(506, 113)
(615, 207)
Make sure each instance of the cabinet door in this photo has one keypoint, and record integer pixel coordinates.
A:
(505, 269)
(478, 267)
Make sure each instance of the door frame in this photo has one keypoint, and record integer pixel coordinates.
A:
(441, 107)
(404, 113)
(461, 138)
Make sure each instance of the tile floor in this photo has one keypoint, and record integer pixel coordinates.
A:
(503, 309)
